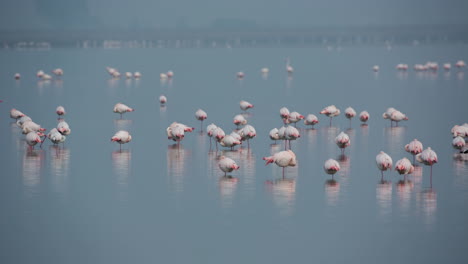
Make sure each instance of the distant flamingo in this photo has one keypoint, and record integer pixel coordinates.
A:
(284, 114)
(427, 157)
(33, 137)
(240, 75)
(16, 114)
(63, 128)
(447, 66)
(330, 111)
(128, 75)
(201, 115)
(384, 162)
(274, 134)
(57, 72)
(55, 136)
(342, 141)
(350, 113)
(229, 141)
(227, 165)
(170, 74)
(122, 108)
(331, 167)
(404, 167)
(291, 133)
(244, 105)
(121, 137)
(295, 117)
(17, 76)
(461, 131)
(248, 132)
(137, 75)
(364, 116)
(60, 111)
(460, 64)
(162, 100)
(210, 130)
(239, 120)
(375, 68)
(282, 159)
(218, 134)
(398, 116)
(458, 142)
(414, 147)
(311, 120)
(31, 126)
(40, 73)
(289, 68)
(387, 114)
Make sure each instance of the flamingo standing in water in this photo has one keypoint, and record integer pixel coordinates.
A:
(331, 167)
(404, 167)
(218, 134)
(398, 116)
(240, 75)
(274, 134)
(201, 115)
(282, 159)
(121, 137)
(458, 142)
(364, 116)
(384, 162)
(311, 120)
(60, 111)
(414, 147)
(162, 100)
(350, 113)
(122, 108)
(33, 137)
(427, 157)
(227, 165)
(330, 111)
(55, 136)
(247, 133)
(17, 76)
(239, 120)
(137, 75)
(289, 68)
(387, 114)
(284, 114)
(57, 72)
(342, 141)
(230, 142)
(295, 117)
(210, 130)
(16, 114)
(63, 128)
(290, 133)
(244, 105)
(460, 64)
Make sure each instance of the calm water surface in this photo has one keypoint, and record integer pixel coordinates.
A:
(87, 202)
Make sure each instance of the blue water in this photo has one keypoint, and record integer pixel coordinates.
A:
(87, 202)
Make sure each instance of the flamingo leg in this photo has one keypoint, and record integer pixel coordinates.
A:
(431, 177)
(381, 179)
(330, 121)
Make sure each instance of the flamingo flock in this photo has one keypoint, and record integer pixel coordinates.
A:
(244, 132)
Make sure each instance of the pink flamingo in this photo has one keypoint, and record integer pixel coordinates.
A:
(384, 162)
(331, 167)
(227, 165)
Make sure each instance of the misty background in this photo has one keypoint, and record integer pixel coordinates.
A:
(215, 14)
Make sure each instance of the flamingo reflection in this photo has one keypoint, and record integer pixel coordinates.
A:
(60, 166)
(284, 194)
(227, 189)
(176, 157)
(384, 197)
(332, 191)
(31, 167)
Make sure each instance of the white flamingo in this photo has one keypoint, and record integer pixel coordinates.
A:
(414, 147)
(311, 120)
(227, 165)
(331, 167)
(244, 105)
(201, 115)
(342, 141)
(364, 116)
(384, 162)
(427, 157)
(350, 113)
(121, 137)
(283, 159)
(330, 111)
(122, 108)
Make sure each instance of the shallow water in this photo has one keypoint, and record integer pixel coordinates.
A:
(152, 202)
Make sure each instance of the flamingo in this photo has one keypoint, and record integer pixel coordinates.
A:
(398, 116)
(240, 75)
(170, 74)
(163, 76)
(460, 64)
(40, 73)
(342, 141)
(201, 115)
(210, 130)
(55, 136)
(33, 137)
(128, 75)
(427, 157)
(16, 114)
(57, 72)
(291, 133)
(330, 111)
(458, 142)
(461, 131)
(384, 162)
(227, 165)
(248, 132)
(295, 117)
(402, 67)
(162, 100)
(236, 135)
(121, 109)
(282, 159)
(265, 71)
(111, 71)
(46, 77)
(387, 114)
(274, 134)
(20, 121)
(244, 105)
(239, 120)
(60, 110)
(284, 114)
(375, 68)
(229, 141)
(350, 113)
(447, 66)
(364, 116)
(311, 120)
(289, 68)
(404, 167)
(331, 167)
(218, 134)
(30, 126)
(137, 75)
(17, 76)
(63, 128)
(414, 147)
(121, 137)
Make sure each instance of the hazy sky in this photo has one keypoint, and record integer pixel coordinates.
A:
(69, 14)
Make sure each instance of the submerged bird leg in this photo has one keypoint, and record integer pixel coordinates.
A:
(431, 177)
